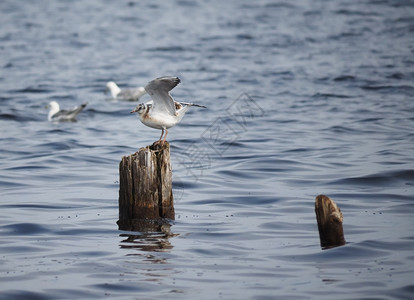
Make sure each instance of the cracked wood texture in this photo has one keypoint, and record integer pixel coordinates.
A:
(145, 185)
(330, 219)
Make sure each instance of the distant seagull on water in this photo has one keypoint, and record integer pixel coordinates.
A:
(125, 94)
(162, 112)
(55, 114)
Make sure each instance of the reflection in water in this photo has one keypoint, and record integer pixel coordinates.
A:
(145, 225)
(153, 235)
(149, 245)
(146, 242)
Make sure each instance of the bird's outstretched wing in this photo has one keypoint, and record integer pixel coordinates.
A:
(159, 90)
(66, 115)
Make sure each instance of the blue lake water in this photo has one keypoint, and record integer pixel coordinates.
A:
(304, 98)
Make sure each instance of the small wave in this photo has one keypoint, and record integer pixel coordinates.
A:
(33, 90)
(343, 129)
(17, 117)
(8, 65)
(397, 75)
(26, 167)
(25, 229)
(50, 294)
(187, 3)
(11, 184)
(391, 178)
(355, 12)
(58, 145)
(244, 37)
(280, 5)
(345, 78)
(168, 49)
(393, 89)
(328, 95)
(123, 287)
(41, 207)
(340, 255)
(8, 116)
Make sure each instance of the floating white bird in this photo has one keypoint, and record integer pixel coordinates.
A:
(162, 112)
(55, 114)
(126, 94)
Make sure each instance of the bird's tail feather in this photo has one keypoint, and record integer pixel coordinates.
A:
(80, 108)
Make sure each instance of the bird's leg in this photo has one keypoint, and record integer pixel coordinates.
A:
(165, 137)
(159, 141)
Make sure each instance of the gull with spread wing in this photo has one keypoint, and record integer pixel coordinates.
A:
(162, 111)
(57, 114)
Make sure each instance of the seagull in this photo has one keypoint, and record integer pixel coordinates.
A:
(162, 112)
(128, 94)
(55, 114)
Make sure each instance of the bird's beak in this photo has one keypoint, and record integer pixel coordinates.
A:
(133, 111)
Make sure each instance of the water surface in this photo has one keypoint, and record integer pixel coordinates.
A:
(303, 99)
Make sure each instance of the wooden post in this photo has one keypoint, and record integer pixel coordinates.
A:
(145, 189)
(330, 219)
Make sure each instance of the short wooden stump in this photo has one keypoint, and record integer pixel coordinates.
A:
(145, 188)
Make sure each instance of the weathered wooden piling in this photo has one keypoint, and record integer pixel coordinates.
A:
(330, 219)
(145, 188)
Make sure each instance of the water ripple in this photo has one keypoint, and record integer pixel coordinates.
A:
(329, 107)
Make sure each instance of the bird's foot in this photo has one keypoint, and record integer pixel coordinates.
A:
(157, 145)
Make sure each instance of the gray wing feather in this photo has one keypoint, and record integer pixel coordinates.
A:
(68, 114)
(159, 89)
